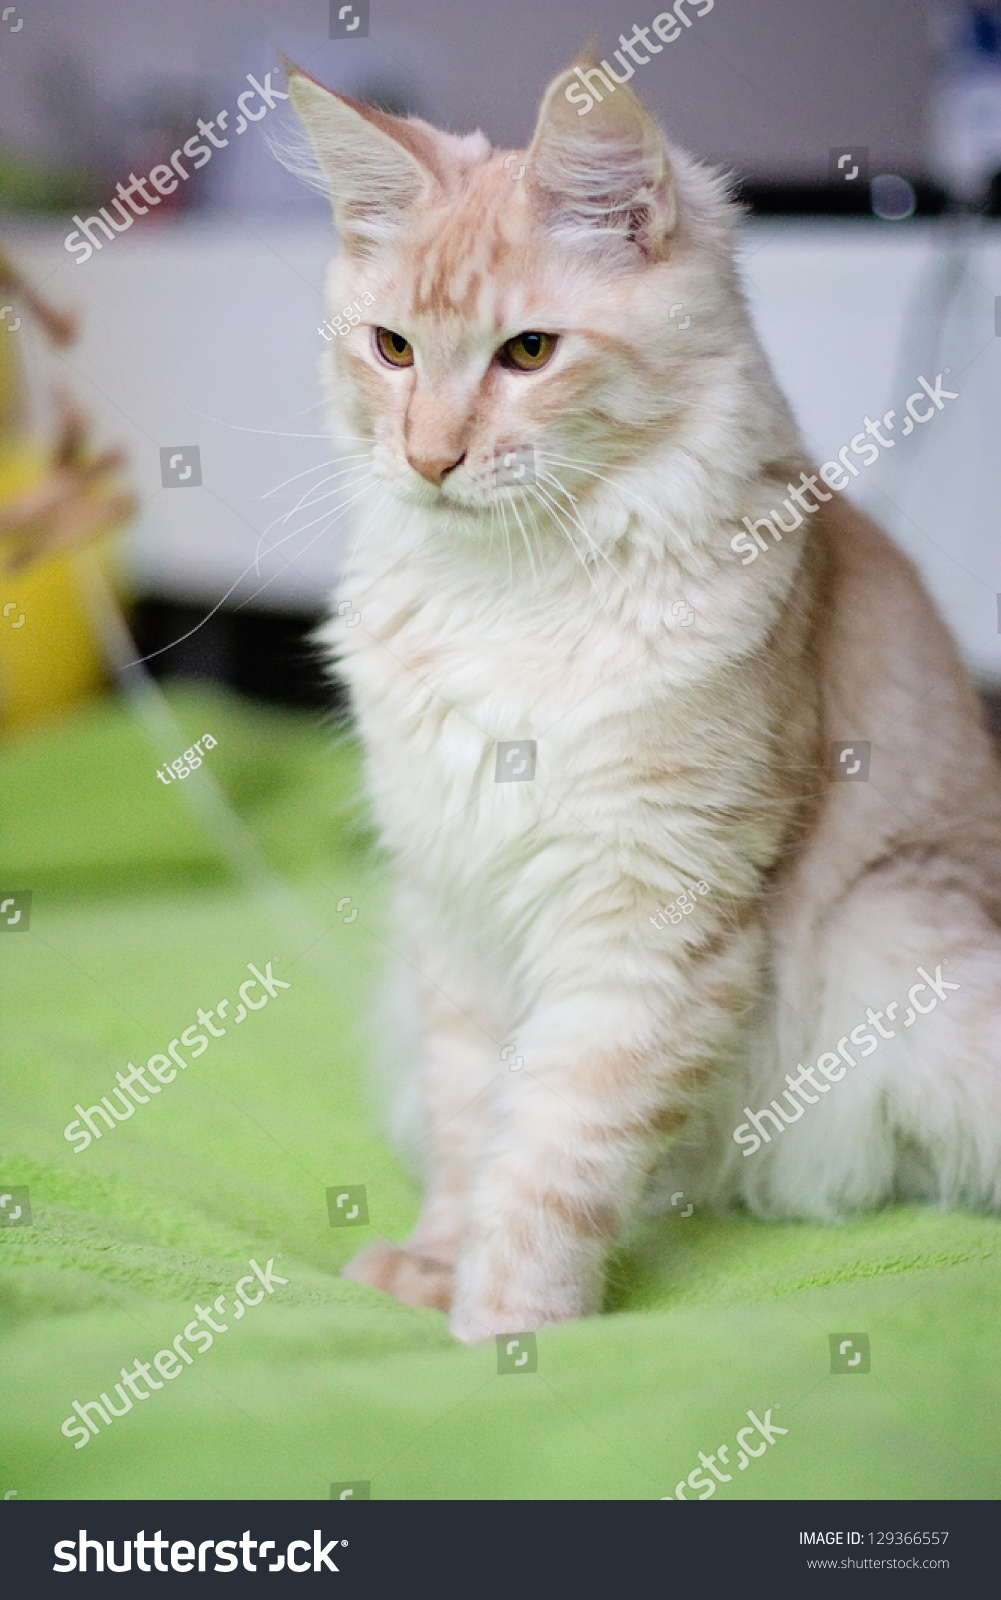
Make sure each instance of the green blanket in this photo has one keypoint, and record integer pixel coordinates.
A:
(311, 1381)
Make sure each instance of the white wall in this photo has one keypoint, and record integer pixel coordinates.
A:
(768, 85)
(207, 333)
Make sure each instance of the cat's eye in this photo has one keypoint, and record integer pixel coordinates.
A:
(527, 352)
(392, 347)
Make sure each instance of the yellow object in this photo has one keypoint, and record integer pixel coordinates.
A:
(48, 655)
(48, 660)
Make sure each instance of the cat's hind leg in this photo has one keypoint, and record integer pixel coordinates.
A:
(898, 1011)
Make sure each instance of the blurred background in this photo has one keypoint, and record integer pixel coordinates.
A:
(200, 328)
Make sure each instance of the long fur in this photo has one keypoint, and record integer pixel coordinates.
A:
(666, 753)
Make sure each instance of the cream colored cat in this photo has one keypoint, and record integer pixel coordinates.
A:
(563, 1033)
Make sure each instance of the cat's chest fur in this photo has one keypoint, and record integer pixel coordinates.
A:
(637, 716)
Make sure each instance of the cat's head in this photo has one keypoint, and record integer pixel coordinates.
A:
(529, 321)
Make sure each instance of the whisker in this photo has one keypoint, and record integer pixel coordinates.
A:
(334, 518)
(306, 470)
(294, 533)
(305, 503)
(524, 535)
(182, 638)
(507, 543)
(551, 511)
(346, 568)
(197, 627)
(579, 522)
(555, 510)
(552, 514)
(278, 433)
(314, 405)
(566, 461)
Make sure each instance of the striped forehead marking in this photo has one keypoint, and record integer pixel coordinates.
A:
(460, 267)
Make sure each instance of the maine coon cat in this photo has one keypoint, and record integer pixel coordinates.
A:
(562, 468)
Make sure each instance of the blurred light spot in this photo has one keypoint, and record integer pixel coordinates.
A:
(892, 198)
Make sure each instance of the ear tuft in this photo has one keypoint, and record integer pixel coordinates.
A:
(599, 168)
(371, 162)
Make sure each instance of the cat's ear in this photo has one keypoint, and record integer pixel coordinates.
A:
(599, 166)
(374, 165)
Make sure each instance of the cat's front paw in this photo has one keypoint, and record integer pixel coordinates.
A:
(480, 1319)
(413, 1280)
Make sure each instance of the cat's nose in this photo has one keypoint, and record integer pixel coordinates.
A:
(435, 470)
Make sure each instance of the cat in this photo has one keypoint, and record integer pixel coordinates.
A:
(559, 469)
